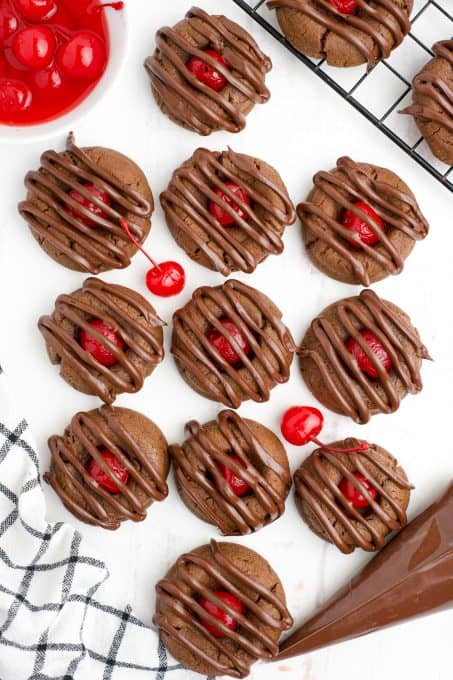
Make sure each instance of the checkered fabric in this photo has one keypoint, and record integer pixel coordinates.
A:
(52, 625)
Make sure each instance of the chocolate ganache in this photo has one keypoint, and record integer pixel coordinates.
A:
(123, 310)
(371, 21)
(189, 101)
(186, 203)
(353, 392)
(412, 576)
(258, 321)
(81, 442)
(316, 487)
(60, 221)
(349, 183)
(264, 611)
(196, 464)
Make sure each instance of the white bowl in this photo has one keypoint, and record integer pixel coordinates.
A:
(118, 31)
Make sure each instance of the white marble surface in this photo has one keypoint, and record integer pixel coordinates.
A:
(305, 127)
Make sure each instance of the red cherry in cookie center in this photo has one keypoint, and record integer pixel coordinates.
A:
(98, 350)
(365, 363)
(220, 614)
(89, 205)
(224, 347)
(345, 6)
(237, 485)
(363, 228)
(354, 495)
(220, 214)
(101, 477)
(206, 73)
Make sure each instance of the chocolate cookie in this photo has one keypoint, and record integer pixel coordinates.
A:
(228, 211)
(344, 32)
(75, 201)
(353, 500)
(106, 338)
(232, 472)
(360, 222)
(432, 97)
(230, 344)
(361, 356)
(110, 465)
(220, 608)
(207, 73)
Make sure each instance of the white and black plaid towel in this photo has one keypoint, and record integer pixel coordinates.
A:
(52, 626)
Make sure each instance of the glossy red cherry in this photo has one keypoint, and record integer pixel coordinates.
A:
(220, 214)
(219, 613)
(97, 350)
(206, 73)
(83, 57)
(237, 485)
(344, 6)
(302, 424)
(8, 23)
(353, 495)
(37, 10)
(100, 194)
(101, 477)
(48, 82)
(361, 227)
(366, 365)
(15, 96)
(222, 344)
(164, 279)
(34, 46)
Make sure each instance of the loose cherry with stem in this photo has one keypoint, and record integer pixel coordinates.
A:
(164, 279)
(302, 424)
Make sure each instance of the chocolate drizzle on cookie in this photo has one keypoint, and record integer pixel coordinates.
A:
(351, 528)
(262, 609)
(94, 504)
(270, 341)
(351, 183)
(369, 21)
(197, 473)
(357, 395)
(93, 248)
(194, 104)
(227, 248)
(438, 93)
(137, 326)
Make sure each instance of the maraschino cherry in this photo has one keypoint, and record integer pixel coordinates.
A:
(8, 23)
(37, 10)
(219, 613)
(366, 364)
(15, 96)
(102, 478)
(353, 495)
(164, 279)
(302, 424)
(345, 6)
(237, 485)
(34, 46)
(362, 228)
(223, 346)
(83, 57)
(97, 349)
(97, 193)
(206, 73)
(221, 215)
(48, 81)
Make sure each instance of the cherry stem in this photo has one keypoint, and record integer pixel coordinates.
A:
(100, 8)
(125, 225)
(356, 449)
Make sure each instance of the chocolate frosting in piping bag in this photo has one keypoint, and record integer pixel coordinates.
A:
(351, 184)
(193, 103)
(208, 173)
(202, 480)
(412, 576)
(91, 248)
(98, 506)
(249, 637)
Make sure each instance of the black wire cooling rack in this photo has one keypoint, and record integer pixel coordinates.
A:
(382, 92)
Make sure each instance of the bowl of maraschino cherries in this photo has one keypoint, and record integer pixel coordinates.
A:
(57, 60)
